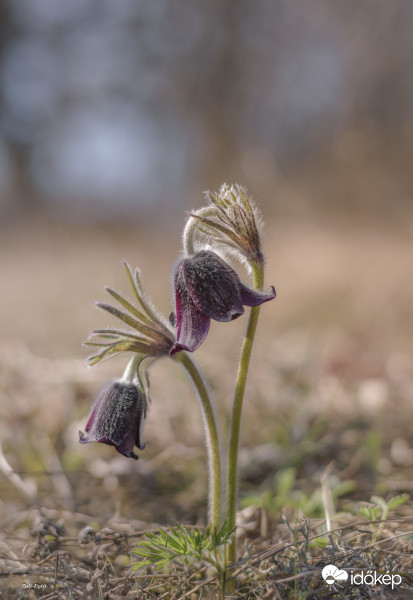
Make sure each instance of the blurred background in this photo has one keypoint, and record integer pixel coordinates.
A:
(117, 109)
(115, 116)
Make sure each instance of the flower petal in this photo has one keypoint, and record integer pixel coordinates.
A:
(193, 326)
(116, 418)
(206, 287)
(251, 297)
(213, 286)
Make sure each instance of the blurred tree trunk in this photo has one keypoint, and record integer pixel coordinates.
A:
(19, 199)
(219, 91)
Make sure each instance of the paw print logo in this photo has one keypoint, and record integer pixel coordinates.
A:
(332, 575)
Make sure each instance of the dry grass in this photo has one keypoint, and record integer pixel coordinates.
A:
(65, 557)
(329, 392)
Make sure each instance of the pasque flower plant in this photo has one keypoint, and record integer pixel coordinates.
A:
(206, 287)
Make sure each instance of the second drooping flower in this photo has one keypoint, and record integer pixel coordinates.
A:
(117, 418)
(119, 412)
(206, 288)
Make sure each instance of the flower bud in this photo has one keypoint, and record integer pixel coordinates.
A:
(231, 222)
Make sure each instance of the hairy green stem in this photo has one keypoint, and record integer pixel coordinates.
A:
(131, 371)
(212, 436)
(232, 474)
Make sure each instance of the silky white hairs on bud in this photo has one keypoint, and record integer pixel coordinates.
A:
(230, 225)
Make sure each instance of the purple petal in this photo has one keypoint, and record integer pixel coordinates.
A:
(193, 326)
(116, 418)
(206, 287)
(84, 438)
(251, 297)
(213, 286)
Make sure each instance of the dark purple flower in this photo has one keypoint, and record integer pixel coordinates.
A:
(117, 418)
(206, 288)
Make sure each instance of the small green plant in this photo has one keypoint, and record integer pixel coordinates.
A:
(284, 496)
(378, 512)
(380, 508)
(184, 544)
(370, 450)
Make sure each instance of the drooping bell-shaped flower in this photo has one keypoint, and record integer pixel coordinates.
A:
(117, 418)
(206, 288)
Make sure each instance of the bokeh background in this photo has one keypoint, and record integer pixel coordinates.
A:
(112, 110)
(115, 116)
